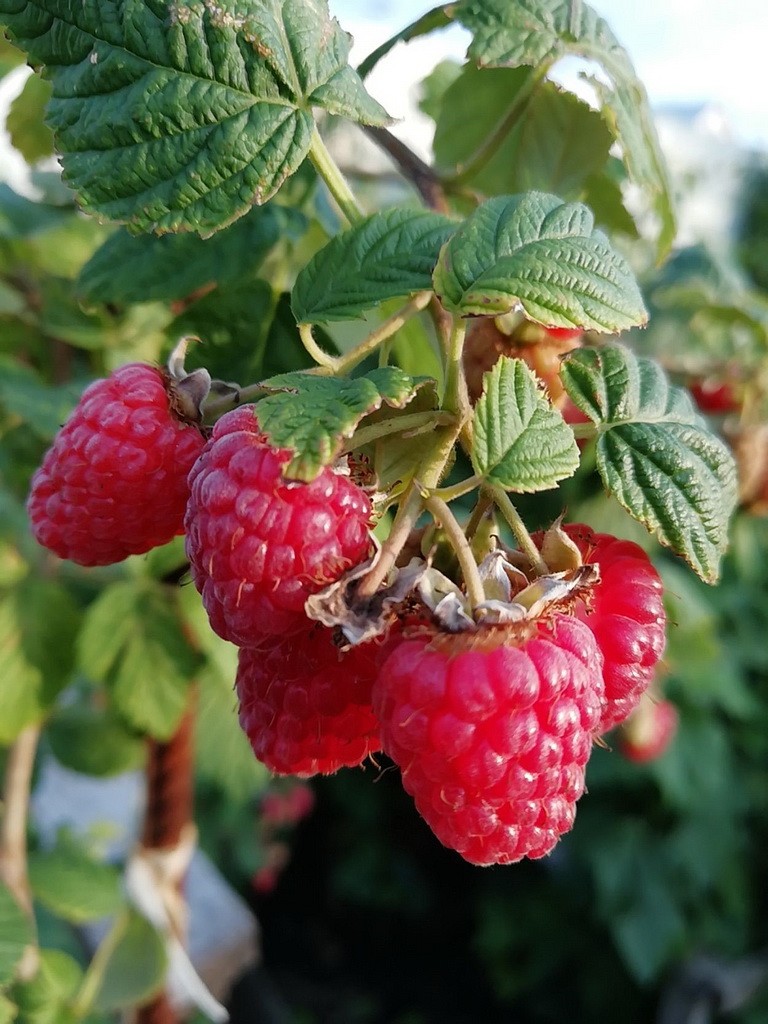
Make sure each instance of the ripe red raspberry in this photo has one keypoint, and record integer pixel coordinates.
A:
(492, 741)
(649, 730)
(305, 706)
(626, 615)
(114, 482)
(260, 544)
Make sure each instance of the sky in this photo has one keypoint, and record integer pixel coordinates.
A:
(685, 52)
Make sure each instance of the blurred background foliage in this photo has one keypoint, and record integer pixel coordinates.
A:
(369, 920)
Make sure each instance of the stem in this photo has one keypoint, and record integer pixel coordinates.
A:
(460, 544)
(518, 528)
(338, 366)
(94, 975)
(314, 351)
(376, 338)
(478, 512)
(13, 832)
(423, 177)
(408, 512)
(456, 398)
(328, 170)
(583, 431)
(488, 147)
(458, 490)
(413, 422)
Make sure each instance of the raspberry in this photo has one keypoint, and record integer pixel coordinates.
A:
(649, 731)
(492, 741)
(260, 544)
(114, 482)
(626, 615)
(305, 706)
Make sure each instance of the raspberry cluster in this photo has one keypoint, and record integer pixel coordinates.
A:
(491, 726)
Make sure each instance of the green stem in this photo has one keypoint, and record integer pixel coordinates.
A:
(338, 366)
(458, 490)
(584, 431)
(482, 505)
(382, 333)
(518, 528)
(314, 351)
(489, 146)
(328, 170)
(94, 976)
(411, 423)
(455, 397)
(472, 582)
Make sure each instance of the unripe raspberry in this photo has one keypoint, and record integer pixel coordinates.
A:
(649, 730)
(114, 482)
(492, 741)
(627, 616)
(306, 706)
(259, 544)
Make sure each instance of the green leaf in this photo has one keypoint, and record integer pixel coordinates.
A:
(38, 621)
(74, 885)
(133, 640)
(433, 88)
(438, 17)
(94, 741)
(555, 147)
(143, 268)
(16, 934)
(388, 255)
(22, 218)
(537, 32)
(177, 115)
(8, 1010)
(538, 253)
(520, 441)
(655, 453)
(135, 971)
(29, 134)
(314, 416)
(41, 407)
(43, 999)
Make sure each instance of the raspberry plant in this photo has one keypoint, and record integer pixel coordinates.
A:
(388, 400)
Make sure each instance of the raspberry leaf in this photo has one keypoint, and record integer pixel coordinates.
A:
(314, 416)
(137, 966)
(132, 639)
(540, 254)
(556, 146)
(543, 31)
(655, 453)
(388, 255)
(73, 885)
(520, 442)
(179, 115)
(142, 268)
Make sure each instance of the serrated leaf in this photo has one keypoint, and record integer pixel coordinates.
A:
(533, 32)
(437, 18)
(74, 885)
(174, 115)
(388, 255)
(29, 134)
(655, 453)
(554, 148)
(145, 268)
(16, 933)
(314, 416)
(520, 441)
(94, 741)
(38, 621)
(136, 968)
(42, 407)
(542, 255)
(133, 640)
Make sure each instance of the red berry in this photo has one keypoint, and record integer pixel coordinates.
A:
(260, 544)
(305, 706)
(114, 482)
(627, 616)
(714, 396)
(564, 333)
(492, 741)
(649, 731)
